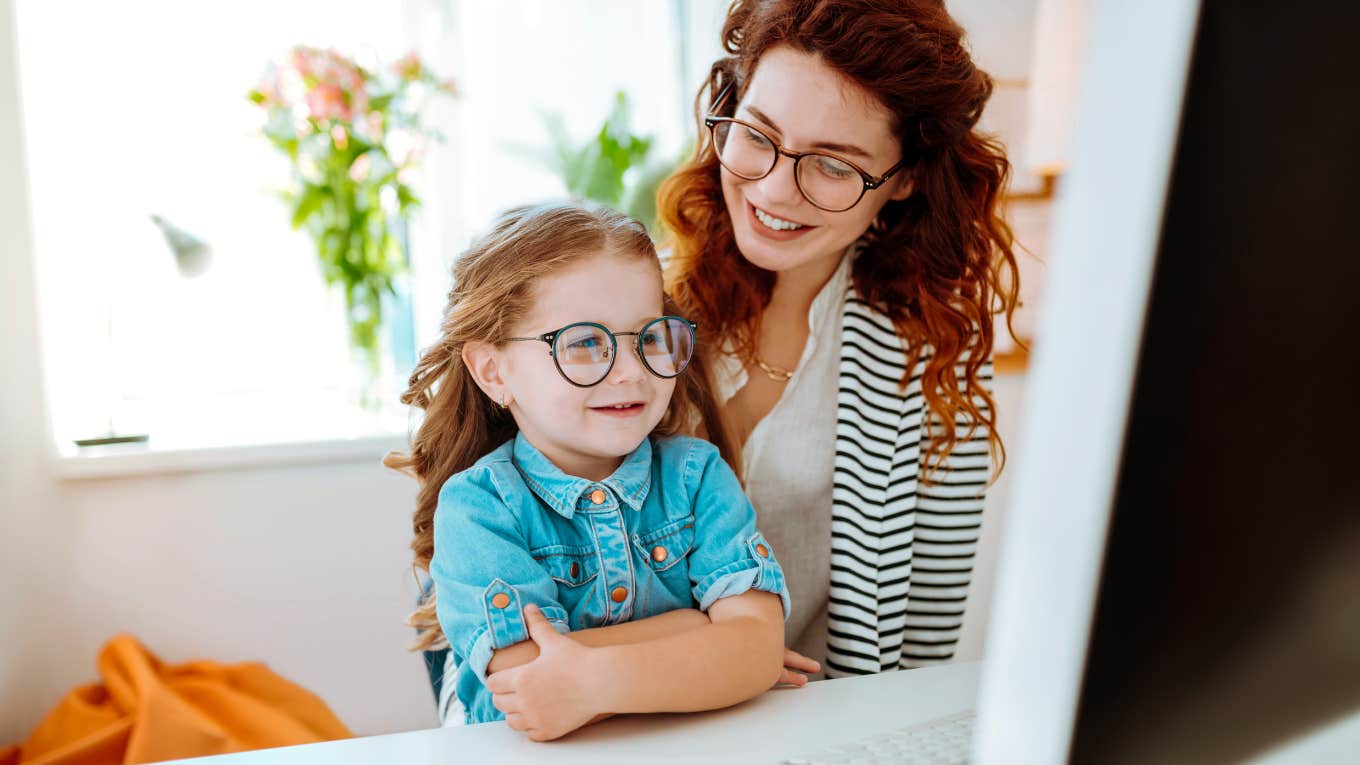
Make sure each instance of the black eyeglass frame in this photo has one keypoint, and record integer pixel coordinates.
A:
(871, 181)
(551, 339)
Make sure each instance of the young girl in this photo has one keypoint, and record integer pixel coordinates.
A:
(555, 498)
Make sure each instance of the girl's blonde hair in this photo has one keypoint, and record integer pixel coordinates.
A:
(493, 288)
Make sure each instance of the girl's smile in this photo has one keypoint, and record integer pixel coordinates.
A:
(624, 409)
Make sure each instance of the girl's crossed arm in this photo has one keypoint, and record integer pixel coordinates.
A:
(736, 657)
(640, 631)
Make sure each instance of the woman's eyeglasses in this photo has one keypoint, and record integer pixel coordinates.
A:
(831, 183)
(584, 352)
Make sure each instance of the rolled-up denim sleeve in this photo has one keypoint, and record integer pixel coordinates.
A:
(730, 555)
(484, 576)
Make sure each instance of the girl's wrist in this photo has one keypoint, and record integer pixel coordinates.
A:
(600, 680)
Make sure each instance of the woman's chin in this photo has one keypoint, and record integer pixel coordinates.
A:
(776, 256)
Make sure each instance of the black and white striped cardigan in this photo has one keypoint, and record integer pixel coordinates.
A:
(901, 553)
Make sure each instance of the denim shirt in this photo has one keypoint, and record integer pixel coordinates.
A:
(670, 529)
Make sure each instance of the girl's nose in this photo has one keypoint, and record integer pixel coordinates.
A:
(627, 365)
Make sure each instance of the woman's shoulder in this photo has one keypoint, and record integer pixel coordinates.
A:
(871, 325)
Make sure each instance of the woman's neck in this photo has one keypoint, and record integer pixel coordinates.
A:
(796, 289)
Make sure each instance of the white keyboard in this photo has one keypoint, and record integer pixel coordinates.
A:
(945, 741)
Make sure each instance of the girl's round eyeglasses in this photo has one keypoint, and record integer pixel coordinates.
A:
(584, 351)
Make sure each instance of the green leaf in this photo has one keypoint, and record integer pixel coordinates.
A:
(308, 204)
(380, 102)
(561, 139)
(406, 199)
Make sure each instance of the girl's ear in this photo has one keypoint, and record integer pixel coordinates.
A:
(484, 361)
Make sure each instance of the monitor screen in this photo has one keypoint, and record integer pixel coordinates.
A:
(1228, 615)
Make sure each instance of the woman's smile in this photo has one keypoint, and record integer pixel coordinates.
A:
(774, 227)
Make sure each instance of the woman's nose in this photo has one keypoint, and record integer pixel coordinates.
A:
(780, 186)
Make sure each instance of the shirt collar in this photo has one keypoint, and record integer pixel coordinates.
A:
(832, 294)
(565, 493)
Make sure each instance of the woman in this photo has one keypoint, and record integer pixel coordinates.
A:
(836, 237)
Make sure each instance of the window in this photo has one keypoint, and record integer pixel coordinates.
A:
(139, 108)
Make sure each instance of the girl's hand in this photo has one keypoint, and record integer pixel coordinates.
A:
(796, 661)
(552, 695)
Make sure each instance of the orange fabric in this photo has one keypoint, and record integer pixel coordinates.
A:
(145, 711)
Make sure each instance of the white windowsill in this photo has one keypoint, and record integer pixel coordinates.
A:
(245, 431)
(140, 460)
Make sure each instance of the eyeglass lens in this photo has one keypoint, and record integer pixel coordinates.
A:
(826, 181)
(585, 352)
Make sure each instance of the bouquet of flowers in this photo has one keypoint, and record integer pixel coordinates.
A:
(354, 137)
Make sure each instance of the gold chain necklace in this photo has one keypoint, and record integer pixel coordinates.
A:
(778, 374)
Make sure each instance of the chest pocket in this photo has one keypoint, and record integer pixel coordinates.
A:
(665, 547)
(570, 567)
(576, 572)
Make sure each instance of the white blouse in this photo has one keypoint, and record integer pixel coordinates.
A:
(788, 466)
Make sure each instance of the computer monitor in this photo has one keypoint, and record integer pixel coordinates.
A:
(1179, 578)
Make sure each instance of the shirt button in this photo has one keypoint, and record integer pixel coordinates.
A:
(500, 600)
(597, 496)
(659, 553)
(575, 570)
(619, 594)
(763, 551)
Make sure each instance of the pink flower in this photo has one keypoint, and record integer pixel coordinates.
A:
(352, 77)
(326, 102)
(302, 60)
(408, 67)
(358, 101)
(359, 169)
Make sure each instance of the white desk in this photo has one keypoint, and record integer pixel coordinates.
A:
(775, 725)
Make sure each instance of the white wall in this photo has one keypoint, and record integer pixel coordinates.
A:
(305, 568)
(23, 534)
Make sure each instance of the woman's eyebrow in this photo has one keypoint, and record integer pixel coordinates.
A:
(839, 148)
